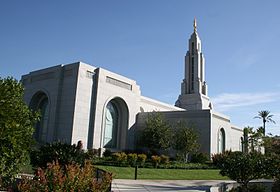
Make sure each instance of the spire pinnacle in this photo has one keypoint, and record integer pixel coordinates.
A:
(194, 25)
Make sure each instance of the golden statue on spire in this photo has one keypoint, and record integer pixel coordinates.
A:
(194, 25)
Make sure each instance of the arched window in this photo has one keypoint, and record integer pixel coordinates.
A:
(222, 141)
(111, 126)
(115, 124)
(42, 126)
(40, 102)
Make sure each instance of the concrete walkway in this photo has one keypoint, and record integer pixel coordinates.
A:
(120, 185)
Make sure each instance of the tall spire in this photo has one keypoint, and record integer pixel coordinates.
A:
(194, 25)
(194, 88)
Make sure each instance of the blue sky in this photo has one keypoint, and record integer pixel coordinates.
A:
(146, 40)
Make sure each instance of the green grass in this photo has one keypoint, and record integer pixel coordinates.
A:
(164, 174)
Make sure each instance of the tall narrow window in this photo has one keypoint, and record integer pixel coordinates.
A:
(222, 141)
(192, 47)
(192, 75)
(111, 126)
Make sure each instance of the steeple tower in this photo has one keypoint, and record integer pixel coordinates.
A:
(193, 88)
(194, 25)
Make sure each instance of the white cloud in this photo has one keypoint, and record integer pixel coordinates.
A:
(227, 101)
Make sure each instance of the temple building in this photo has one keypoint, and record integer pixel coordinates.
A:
(105, 110)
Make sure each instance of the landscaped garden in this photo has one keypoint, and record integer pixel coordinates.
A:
(238, 166)
(63, 167)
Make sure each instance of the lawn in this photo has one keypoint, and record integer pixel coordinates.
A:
(164, 174)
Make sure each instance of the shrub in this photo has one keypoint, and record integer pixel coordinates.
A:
(199, 158)
(164, 159)
(141, 159)
(219, 158)
(92, 153)
(120, 158)
(66, 178)
(156, 160)
(272, 169)
(61, 152)
(242, 167)
(132, 159)
(107, 153)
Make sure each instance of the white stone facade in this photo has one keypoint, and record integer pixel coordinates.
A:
(105, 110)
(78, 95)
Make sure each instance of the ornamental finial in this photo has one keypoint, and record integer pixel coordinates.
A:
(194, 25)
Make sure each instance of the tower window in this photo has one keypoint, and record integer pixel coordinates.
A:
(192, 75)
(192, 47)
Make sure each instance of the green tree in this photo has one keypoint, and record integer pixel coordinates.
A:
(272, 145)
(157, 133)
(266, 117)
(253, 140)
(185, 140)
(242, 167)
(16, 128)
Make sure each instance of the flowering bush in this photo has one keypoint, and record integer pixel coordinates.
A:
(141, 159)
(72, 178)
(156, 160)
(132, 159)
(164, 159)
(120, 158)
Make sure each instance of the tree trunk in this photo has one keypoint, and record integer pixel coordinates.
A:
(264, 126)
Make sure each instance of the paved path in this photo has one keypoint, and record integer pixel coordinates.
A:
(120, 185)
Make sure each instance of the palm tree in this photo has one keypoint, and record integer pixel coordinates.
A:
(266, 118)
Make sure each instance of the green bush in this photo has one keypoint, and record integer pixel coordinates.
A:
(141, 159)
(71, 177)
(219, 158)
(272, 165)
(242, 167)
(92, 153)
(132, 159)
(155, 160)
(199, 158)
(61, 152)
